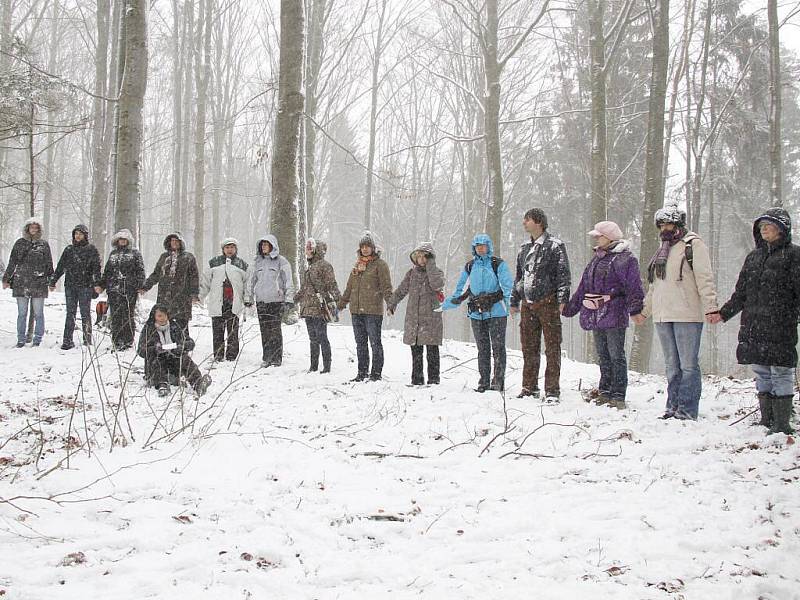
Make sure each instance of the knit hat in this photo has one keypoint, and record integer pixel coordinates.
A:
(367, 239)
(670, 213)
(608, 229)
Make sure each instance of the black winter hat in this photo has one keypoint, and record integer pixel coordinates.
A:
(778, 217)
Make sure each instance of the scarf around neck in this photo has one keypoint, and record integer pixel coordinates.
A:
(658, 264)
(164, 334)
(363, 261)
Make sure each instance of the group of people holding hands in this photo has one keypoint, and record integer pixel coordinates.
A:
(680, 298)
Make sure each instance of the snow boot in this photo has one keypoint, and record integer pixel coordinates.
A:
(202, 386)
(781, 414)
(67, 345)
(163, 390)
(765, 400)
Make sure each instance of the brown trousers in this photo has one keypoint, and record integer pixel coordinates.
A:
(536, 318)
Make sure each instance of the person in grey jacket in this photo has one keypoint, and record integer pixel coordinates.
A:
(271, 288)
(223, 284)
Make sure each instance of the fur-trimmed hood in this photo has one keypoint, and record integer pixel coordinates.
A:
(122, 234)
(175, 235)
(28, 222)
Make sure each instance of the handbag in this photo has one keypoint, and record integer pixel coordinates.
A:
(327, 306)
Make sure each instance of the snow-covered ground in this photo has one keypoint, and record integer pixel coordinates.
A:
(282, 484)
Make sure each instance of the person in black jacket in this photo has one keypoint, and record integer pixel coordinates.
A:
(80, 263)
(541, 291)
(165, 346)
(121, 278)
(178, 279)
(29, 269)
(768, 295)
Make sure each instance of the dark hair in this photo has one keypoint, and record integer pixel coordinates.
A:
(162, 308)
(537, 216)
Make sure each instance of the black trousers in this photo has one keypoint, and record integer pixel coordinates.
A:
(417, 370)
(269, 321)
(228, 324)
(367, 331)
(160, 366)
(78, 297)
(123, 325)
(318, 342)
(490, 337)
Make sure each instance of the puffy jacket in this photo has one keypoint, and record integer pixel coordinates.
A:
(175, 291)
(687, 293)
(270, 275)
(124, 270)
(79, 263)
(422, 285)
(219, 269)
(614, 272)
(542, 270)
(318, 278)
(367, 290)
(30, 264)
(482, 280)
(150, 342)
(768, 295)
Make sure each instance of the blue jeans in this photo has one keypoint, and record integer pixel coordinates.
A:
(610, 345)
(778, 381)
(367, 328)
(22, 318)
(680, 343)
(78, 297)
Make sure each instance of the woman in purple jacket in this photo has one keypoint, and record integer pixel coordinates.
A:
(609, 293)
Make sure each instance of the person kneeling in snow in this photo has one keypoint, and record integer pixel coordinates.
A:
(165, 346)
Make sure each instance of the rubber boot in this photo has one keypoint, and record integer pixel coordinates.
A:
(781, 414)
(765, 400)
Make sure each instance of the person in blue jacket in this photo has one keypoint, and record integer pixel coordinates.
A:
(485, 285)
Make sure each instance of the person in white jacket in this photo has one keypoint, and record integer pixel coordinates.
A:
(271, 287)
(681, 296)
(223, 284)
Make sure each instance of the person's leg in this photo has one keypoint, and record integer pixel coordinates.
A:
(313, 342)
(480, 331)
(782, 381)
(374, 323)
(604, 362)
(417, 376)
(71, 297)
(497, 337)
(687, 339)
(38, 315)
(218, 337)
(325, 345)
(672, 364)
(184, 365)
(433, 364)
(127, 321)
(22, 319)
(783, 388)
(276, 335)
(550, 316)
(263, 324)
(530, 330)
(362, 347)
(232, 340)
(85, 305)
(619, 363)
(766, 398)
(157, 370)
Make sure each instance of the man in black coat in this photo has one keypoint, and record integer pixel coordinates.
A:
(80, 263)
(768, 295)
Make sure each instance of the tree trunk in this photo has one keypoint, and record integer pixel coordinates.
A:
(491, 126)
(186, 113)
(599, 158)
(202, 71)
(654, 180)
(49, 170)
(373, 115)
(177, 114)
(134, 85)
(100, 110)
(286, 154)
(775, 154)
(315, 44)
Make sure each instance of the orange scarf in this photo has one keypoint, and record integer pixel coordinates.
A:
(362, 262)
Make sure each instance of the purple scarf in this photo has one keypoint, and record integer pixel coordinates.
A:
(658, 264)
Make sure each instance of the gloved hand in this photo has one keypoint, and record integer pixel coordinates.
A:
(457, 300)
(158, 348)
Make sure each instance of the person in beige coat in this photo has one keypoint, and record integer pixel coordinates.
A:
(681, 296)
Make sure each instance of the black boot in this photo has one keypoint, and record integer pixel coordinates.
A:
(314, 358)
(765, 401)
(781, 414)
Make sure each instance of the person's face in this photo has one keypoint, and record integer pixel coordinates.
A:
(174, 244)
(481, 249)
(78, 235)
(34, 228)
(420, 258)
(266, 247)
(666, 227)
(229, 250)
(309, 251)
(602, 241)
(122, 242)
(161, 318)
(366, 250)
(769, 231)
(533, 228)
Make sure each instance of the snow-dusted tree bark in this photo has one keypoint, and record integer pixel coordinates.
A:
(286, 153)
(775, 153)
(129, 132)
(177, 114)
(202, 73)
(315, 42)
(653, 169)
(101, 112)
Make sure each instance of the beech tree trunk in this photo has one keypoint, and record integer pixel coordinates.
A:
(775, 153)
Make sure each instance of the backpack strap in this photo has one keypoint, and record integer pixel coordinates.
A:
(688, 255)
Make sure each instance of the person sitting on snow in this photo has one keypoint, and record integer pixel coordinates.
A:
(165, 346)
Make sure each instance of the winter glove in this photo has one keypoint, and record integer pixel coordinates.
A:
(457, 300)
(158, 348)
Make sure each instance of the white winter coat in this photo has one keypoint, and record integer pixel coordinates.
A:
(214, 274)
